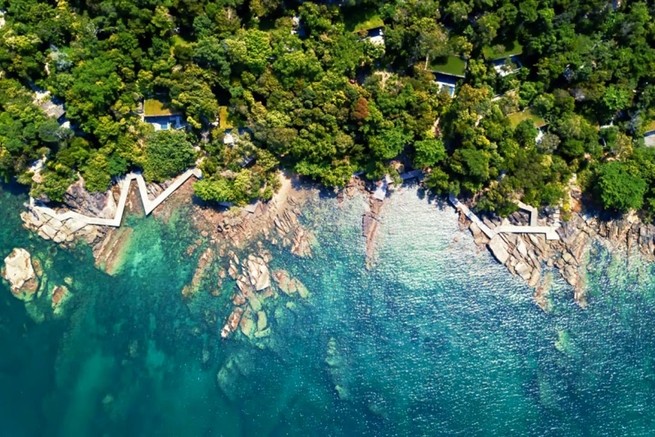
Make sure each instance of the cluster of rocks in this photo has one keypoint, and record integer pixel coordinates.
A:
(526, 255)
(103, 205)
(65, 232)
(255, 284)
(291, 233)
(20, 272)
(27, 280)
(68, 232)
(289, 285)
(277, 222)
(246, 299)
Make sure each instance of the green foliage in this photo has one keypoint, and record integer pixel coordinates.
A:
(26, 132)
(620, 187)
(437, 181)
(56, 180)
(238, 172)
(168, 153)
(319, 99)
(429, 152)
(497, 200)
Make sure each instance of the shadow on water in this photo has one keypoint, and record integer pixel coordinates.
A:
(14, 188)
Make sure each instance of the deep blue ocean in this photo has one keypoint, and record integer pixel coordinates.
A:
(436, 339)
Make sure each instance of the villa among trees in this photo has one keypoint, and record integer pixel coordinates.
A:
(500, 100)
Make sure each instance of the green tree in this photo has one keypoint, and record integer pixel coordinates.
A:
(167, 154)
(620, 187)
(429, 152)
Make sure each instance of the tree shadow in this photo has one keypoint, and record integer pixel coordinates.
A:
(14, 188)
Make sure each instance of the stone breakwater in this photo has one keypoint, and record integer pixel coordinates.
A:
(526, 256)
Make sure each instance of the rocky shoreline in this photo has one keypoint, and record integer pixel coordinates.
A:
(108, 243)
(221, 233)
(277, 222)
(528, 255)
(246, 231)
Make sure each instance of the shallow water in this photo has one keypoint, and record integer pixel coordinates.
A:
(436, 339)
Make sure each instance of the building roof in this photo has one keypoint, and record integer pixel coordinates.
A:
(450, 88)
(156, 108)
(165, 122)
(228, 139)
(527, 114)
(381, 188)
(376, 36)
(504, 68)
(502, 51)
(449, 65)
(445, 79)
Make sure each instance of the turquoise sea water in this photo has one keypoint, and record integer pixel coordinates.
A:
(437, 339)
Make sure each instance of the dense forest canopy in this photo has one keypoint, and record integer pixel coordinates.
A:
(547, 91)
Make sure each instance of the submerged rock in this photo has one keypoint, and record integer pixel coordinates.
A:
(342, 392)
(247, 324)
(262, 320)
(204, 262)
(302, 290)
(227, 378)
(261, 334)
(232, 322)
(60, 295)
(542, 293)
(283, 280)
(289, 285)
(335, 362)
(21, 275)
(563, 342)
(238, 299)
